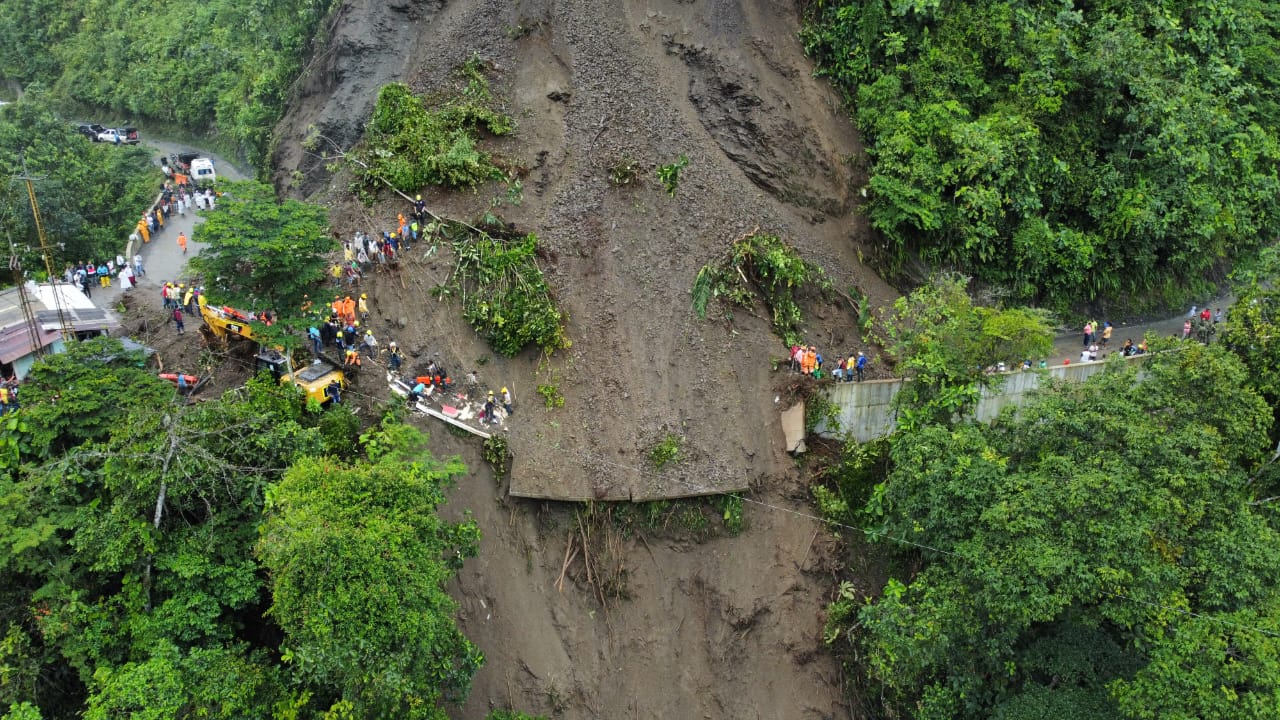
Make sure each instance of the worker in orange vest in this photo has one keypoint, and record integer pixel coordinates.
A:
(182, 242)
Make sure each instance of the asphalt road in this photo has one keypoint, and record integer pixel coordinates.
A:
(1069, 345)
(162, 258)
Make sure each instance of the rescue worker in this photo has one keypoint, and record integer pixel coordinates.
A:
(416, 393)
(363, 307)
(369, 343)
(397, 359)
(486, 416)
(352, 358)
(506, 400)
(182, 242)
(348, 309)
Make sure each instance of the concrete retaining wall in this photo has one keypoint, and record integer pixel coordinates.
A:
(866, 408)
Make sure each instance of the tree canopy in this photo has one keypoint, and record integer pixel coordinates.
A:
(138, 583)
(1064, 153)
(262, 252)
(1107, 550)
(943, 343)
(221, 67)
(90, 194)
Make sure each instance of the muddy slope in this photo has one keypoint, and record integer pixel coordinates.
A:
(729, 628)
(724, 83)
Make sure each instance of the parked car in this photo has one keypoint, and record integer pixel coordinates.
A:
(91, 131)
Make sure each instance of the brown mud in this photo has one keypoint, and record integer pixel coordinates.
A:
(726, 627)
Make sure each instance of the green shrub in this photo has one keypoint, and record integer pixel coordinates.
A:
(504, 295)
(666, 451)
(413, 141)
(764, 266)
(669, 175)
(498, 455)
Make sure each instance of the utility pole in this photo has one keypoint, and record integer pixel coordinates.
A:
(33, 329)
(64, 321)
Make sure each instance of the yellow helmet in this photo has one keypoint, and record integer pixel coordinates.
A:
(504, 389)
(364, 296)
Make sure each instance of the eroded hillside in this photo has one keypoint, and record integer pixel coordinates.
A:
(722, 629)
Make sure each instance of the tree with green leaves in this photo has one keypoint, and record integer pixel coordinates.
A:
(1101, 552)
(90, 194)
(129, 554)
(942, 344)
(358, 559)
(262, 253)
(1252, 331)
(215, 67)
(1064, 154)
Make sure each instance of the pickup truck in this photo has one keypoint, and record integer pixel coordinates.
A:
(125, 135)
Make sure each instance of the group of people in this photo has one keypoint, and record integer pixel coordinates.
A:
(1206, 325)
(177, 298)
(806, 360)
(380, 250)
(85, 275)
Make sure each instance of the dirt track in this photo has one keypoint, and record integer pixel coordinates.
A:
(727, 628)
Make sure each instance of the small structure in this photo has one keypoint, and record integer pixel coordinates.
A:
(20, 342)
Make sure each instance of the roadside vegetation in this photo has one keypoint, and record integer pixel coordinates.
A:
(216, 67)
(1106, 550)
(90, 194)
(1064, 154)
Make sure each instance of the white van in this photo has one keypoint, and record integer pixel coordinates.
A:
(202, 172)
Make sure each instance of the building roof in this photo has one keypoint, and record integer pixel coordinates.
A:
(15, 333)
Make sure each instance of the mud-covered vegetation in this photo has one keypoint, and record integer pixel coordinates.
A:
(414, 141)
(761, 266)
(217, 67)
(504, 295)
(1064, 154)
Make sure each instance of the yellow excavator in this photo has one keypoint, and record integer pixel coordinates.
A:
(313, 379)
(223, 323)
